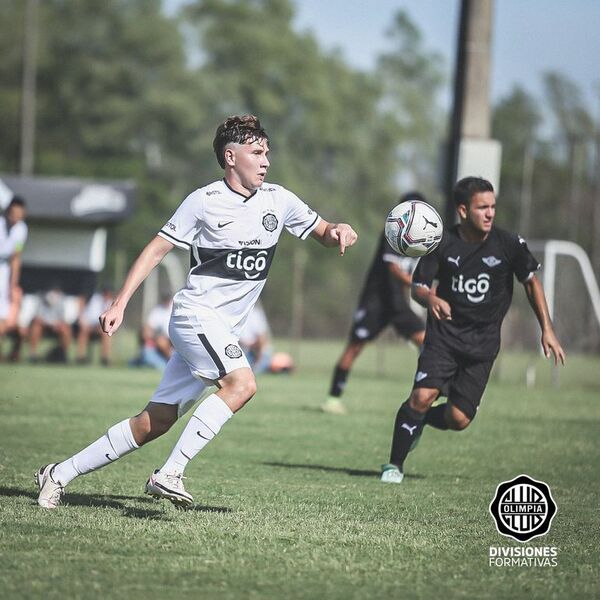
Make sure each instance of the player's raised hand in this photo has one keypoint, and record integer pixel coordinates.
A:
(344, 235)
(550, 344)
(439, 308)
(111, 319)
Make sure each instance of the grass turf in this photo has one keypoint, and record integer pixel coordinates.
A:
(288, 499)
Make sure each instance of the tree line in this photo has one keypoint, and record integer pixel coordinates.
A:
(125, 90)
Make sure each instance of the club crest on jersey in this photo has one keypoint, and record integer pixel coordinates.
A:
(233, 351)
(270, 222)
(475, 287)
(491, 261)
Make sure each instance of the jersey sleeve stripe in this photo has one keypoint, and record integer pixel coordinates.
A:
(213, 354)
(170, 238)
(309, 228)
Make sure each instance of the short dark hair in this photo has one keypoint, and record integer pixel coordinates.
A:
(238, 130)
(17, 201)
(414, 195)
(467, 187)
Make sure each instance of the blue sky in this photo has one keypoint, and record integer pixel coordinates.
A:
(530, 36)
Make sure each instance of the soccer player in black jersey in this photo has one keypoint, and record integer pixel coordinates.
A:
(383, 302)
(474, 266)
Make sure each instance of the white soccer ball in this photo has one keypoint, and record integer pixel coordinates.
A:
(414, 228)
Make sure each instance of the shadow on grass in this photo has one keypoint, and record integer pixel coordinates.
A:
(352, 472)
(75, 499)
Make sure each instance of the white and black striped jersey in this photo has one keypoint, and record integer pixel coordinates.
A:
(232, 240)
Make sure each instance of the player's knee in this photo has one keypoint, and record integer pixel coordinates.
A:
(239, 387)
(421, 399)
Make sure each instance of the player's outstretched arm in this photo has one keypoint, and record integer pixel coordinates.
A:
(149, 258)
(335, 234)
(537, 299)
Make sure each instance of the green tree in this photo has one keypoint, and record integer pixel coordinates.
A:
(515, 124)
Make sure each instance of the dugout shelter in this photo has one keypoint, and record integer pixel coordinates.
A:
(68, 220)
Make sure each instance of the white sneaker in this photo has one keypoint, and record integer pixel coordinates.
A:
(169, 486)
(334, 406)
(391, 474)
(50, 491)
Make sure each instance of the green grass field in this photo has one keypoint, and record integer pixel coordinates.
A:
(289, 504)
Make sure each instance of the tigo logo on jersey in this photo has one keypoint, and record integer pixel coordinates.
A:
(523, 508)
(474, 288)
(252, 265)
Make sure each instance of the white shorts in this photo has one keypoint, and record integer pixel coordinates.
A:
(205, 351)
(29, 308)
(4, 291)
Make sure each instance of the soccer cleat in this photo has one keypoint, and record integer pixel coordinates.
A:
(391, 474)
(169, 486)
(50, 491)
(334, 406)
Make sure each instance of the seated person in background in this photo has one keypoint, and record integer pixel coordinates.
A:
(255, 340)
(27, 311)
(89, 327)
(50, 318)
(156, 344)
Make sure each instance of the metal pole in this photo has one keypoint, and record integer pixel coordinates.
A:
(453, 149)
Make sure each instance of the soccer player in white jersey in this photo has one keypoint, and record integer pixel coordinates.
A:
(13, 235)
(231, 228)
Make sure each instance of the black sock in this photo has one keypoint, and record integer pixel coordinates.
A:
(408, 426)
(435, 417)
(338, 383)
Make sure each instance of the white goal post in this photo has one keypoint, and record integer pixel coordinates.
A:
(548, 251)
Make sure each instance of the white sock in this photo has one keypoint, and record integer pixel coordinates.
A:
(115, 443)
(205, 422)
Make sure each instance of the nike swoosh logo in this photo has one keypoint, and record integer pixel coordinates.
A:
(109, 458)
(221, 225)
(203, 436)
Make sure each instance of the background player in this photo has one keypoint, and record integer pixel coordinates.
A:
(474, 265)
(13, 235)
(383, 302)
(231, 228)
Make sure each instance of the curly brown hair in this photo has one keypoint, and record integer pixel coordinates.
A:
(238, 130)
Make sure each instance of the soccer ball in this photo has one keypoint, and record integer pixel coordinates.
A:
(413, 228)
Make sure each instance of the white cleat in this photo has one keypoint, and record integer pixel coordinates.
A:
(50, 491)
(169, 486)
(391, 474)
(334, 406)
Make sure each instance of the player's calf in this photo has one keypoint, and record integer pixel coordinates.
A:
(459, 414)
(155, 420)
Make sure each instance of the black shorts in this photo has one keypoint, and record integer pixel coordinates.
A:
(374, 314)
(462, 379)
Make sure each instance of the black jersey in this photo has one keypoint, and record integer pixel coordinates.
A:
(381, 282)
(476, 279)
